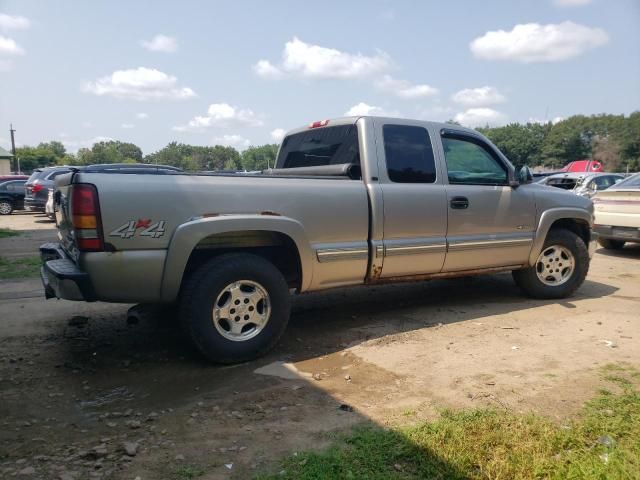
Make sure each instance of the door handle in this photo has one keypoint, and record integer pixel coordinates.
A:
(459, 203)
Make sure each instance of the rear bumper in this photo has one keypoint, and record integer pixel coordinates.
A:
(611, 232)
(61, 278)
(34, 204)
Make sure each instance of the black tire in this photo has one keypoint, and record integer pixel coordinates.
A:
(610, 244)
(202, 288)
(527, 278)
(5, 207)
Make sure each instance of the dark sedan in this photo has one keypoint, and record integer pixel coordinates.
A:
(38, 185)
(11, 196)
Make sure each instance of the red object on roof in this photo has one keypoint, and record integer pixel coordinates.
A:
(583, 166)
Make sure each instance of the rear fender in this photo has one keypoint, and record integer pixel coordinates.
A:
(188, 235)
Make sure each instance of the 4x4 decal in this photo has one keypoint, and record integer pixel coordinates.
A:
(129, 229)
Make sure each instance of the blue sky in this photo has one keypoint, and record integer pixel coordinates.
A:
(242, 72)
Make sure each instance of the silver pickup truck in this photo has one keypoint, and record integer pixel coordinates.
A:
(351, 201)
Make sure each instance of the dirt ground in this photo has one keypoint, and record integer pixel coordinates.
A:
(84, 394)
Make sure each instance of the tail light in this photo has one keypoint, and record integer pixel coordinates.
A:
(86, 217)
(36, 188)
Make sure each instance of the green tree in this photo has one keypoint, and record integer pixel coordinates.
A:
(522, 144)
(259, 158)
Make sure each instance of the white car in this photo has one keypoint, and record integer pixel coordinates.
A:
(617, 213)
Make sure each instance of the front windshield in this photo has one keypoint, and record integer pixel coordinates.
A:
(631, 182)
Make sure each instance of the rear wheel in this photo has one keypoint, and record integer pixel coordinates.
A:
(560, 268)
(5, 207)
(611, 244)
(235, 307)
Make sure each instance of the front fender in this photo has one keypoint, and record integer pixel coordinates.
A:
(188, 235)
(548, 218)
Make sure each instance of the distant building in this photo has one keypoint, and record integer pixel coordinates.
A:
(5, 162)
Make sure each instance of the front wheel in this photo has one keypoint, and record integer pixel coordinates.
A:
(5, 207)
(560, 268)
(235, 307)
(611, 244)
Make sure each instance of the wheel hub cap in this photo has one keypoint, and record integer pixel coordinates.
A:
(555, 265)
(241, 311)
(5, 208)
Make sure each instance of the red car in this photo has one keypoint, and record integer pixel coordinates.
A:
(591, 166)
(6, 178)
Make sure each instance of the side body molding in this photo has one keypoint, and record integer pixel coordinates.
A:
(547, 219)
(187, 236)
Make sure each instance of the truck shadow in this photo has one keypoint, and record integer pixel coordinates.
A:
(630, 250)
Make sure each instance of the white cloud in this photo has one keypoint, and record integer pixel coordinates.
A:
(278, 134)
(222, 115)
(235, 141)
(127, 125)
(366, 109)
(139, 84)
(9, 47)
(478, 97)
(314, 61)
(479, 117)
(554, 120)
(142, 115)
(161, 43)
(13, 22)
(532, 42)
(571, 3)
(405, 89)
(74, 145)
(265, 69)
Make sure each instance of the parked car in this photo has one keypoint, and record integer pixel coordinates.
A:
(592, 183)
(566, 181)
(11, 196)
(38, 186)
(617, 213)
(584, 166)
(130, 168)
(4, 178)
(352, 201)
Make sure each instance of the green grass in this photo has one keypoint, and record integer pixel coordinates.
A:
(21, 267)
(602, 442)
(188, 472)
(7, 232)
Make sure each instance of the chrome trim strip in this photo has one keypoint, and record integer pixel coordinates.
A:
(379, 251)
(337, 254)
(482, 244)
(414, 249)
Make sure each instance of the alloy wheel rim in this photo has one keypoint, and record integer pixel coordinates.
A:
(241, 310)
(5, 208)
(555, 265)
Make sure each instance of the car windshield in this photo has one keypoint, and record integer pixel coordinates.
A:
(631, 182)
(565, 183)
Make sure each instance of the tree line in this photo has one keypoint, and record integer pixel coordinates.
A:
(613, 140)
(187, 157)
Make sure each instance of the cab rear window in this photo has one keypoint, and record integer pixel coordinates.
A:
(320, 146)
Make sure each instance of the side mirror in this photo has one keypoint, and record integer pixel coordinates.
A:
(524, 175)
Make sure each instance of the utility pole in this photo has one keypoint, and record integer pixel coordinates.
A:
(13, 147)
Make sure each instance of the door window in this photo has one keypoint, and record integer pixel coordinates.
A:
(408, 154)
(471, 163)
